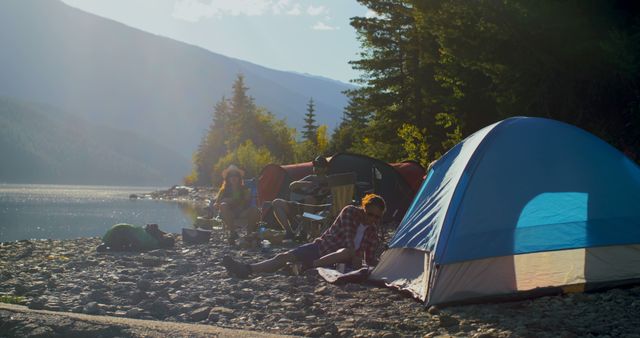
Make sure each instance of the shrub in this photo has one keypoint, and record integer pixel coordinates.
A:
(248, 157)
(10, 299)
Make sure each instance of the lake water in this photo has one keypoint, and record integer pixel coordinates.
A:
(64, 211)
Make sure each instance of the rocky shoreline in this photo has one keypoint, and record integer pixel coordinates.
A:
(187, 284)
(198, 196)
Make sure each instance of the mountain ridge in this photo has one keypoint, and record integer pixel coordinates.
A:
(69, 150)
(155, 87)
(109, 72)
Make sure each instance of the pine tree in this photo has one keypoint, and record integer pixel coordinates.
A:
(248, 122)
(389, 61)
(242, 117)
(442, 69)
(213, 144)
(310, 131)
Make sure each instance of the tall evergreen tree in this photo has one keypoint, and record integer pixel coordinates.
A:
(571, 61)
(399, 88)
(242, 117)
(310, 131)
(442, 69)
(213, 144)
(241, 131)
(250, 122)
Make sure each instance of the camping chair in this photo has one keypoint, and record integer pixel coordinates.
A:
(342, 188)
(213, 219)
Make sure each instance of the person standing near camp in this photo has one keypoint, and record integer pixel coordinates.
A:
(314, 188)
(351, 239)
(234, 202)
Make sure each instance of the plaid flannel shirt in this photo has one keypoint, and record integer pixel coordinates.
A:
(342, 233)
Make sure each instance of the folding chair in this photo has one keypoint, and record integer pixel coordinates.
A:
(213, 220)
(342, 188)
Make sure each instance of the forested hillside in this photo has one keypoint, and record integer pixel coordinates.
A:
(38, 146)
(244, 133)
(437, 71)
(433, 72)
(159, 88)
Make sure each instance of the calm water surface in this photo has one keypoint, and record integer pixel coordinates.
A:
(64, 211)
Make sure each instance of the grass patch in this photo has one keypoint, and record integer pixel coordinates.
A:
(19, 300)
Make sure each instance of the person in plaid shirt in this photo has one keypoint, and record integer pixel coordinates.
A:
(352, 239)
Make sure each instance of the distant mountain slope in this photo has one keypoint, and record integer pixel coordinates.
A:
(116, 75)
(36, 148)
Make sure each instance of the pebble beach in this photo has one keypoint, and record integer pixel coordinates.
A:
(187, 284)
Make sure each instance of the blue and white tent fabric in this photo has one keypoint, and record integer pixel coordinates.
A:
(524, 204)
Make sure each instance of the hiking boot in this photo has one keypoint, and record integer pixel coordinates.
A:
(238, 269)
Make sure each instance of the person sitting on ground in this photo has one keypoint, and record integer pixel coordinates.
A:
(314, 188)
(234, 201)
(127, 237)
(351, 239)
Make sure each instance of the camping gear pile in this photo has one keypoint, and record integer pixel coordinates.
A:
(397, 182)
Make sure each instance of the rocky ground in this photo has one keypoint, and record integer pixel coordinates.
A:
(19, 321)
(187, 284)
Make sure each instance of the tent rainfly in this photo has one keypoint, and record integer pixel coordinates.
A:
(395, 182)
(379, 177)
(523, 207)
(412, 172)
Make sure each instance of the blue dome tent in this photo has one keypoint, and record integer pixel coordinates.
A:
(522, 207)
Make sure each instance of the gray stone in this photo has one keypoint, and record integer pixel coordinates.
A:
(370, 324)
(213, 317)
(351, 287)
(342, 295)
(176, 283)
(490, 333)
(77, 309)
(157, 253)
(200, 314)
(295, 315)
(133, 312)
(433, 310)
(448, 321)
(186, 268)
(162, 293)
(33, 331)
(301, 305)
(305, 300)
(222, 310)
(316, 332)
(345, 332)
(98, 296)
(143, 284)
(151, 261)
(37, 287)
(20, 289)
(91, 308)
(37, 303)
(160, 308)
(323, 290)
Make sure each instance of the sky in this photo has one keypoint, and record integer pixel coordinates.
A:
(304, 36)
